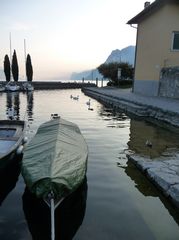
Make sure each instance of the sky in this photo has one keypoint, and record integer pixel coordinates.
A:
(65, 36)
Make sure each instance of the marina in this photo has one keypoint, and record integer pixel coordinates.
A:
(119, 202)
(47, 85)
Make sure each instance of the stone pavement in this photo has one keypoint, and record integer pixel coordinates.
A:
(163, 171)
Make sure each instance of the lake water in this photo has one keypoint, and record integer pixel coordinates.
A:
(116, 201)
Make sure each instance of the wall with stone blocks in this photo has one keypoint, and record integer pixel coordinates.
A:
(169, 82)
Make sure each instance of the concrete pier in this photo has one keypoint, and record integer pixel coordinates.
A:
(47, 85)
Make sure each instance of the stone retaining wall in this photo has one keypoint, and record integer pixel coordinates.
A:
(169, 82)
(163, 173)
(130, 107)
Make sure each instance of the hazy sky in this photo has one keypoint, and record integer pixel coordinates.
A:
(65, 36)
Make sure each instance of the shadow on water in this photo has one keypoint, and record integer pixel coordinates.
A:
(115, 119)
(147, 188)
(68, 215)
(162, 139)
(9, 174)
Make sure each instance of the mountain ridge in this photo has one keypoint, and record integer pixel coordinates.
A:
(126, 54)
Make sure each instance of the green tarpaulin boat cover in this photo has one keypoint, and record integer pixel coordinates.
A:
(55, 159)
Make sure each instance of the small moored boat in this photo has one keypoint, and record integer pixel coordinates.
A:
(11, 139)
(54, 162)
(27, 87)
(12, 87)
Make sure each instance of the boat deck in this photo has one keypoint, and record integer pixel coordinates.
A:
(10, 133)
(4, 145)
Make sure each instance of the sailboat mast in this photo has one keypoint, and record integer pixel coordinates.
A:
(10, 53)
(10, 48)
(25, 57)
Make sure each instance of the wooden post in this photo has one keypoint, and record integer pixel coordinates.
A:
(101, 82)
(96, 81)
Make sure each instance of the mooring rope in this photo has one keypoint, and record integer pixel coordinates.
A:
(52, 209)
(51, 203)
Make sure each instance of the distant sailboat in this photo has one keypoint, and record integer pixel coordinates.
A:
(11, 86)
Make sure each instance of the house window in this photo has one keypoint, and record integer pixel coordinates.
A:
(175, 45)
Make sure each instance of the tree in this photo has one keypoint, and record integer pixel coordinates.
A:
(110, 71)
(7, 68)
(15, 68)
(29, 69)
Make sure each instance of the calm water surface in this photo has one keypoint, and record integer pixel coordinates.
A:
(116, 201)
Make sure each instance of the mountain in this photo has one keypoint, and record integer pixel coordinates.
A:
(87, 75)
(80, 75)
(124, 55)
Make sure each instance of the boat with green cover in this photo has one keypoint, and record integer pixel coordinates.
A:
(55, 161)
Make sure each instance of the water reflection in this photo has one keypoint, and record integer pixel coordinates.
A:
(68, 216)
(13, 103)
(30, 105)
(9, 173)
(161, 139)
(17, 105)
(147, 188)
(138, 178)
(115, 119)
(9, 100)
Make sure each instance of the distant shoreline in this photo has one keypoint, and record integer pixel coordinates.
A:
(49, 85)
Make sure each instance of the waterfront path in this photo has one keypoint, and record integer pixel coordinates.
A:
(162, 171)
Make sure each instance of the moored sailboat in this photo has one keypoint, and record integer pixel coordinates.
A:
(12, 87)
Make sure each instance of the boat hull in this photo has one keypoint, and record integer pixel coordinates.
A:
(11, 137)
(9, 176)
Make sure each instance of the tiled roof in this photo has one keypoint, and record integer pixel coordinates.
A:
(149, 10)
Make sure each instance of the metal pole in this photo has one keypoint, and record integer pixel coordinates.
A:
(10, 48)
(10, 54)
(25, 57)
